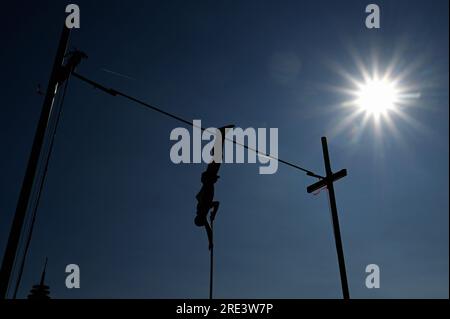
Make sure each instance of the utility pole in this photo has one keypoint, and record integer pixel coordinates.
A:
(328, 183)
(30, 174)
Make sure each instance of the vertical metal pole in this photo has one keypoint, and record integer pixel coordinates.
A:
(211, 270)
(30, 174)
(334, 214)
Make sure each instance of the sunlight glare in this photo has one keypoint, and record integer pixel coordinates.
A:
(377, 97)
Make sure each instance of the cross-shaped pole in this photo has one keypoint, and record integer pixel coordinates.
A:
(328, 183)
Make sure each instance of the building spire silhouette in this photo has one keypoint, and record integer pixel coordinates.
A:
(40, 291)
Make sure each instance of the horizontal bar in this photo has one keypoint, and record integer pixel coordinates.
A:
(322, 183)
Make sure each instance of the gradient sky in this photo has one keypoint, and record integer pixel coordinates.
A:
(117, 206)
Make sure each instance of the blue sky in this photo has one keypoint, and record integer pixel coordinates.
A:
(117, 206)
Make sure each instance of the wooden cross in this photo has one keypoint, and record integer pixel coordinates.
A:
(327, 182)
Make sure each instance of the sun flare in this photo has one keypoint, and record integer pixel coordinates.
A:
(377, 97)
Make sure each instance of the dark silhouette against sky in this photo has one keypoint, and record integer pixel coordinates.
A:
(116, 205)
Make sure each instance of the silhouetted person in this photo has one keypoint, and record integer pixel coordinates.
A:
(205, 196)
(205, 201)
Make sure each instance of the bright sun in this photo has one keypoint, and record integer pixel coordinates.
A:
(376, 97)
